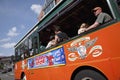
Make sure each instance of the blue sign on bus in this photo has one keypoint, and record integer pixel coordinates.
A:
(53, 58)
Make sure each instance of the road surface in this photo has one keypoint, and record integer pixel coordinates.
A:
(7, 76)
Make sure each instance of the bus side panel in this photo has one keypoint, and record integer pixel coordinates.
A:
(21, 67)
(97, 64)
(17, 70)
(39, 74)
(115, 63)
(102, 52)
(59, 72)
(111, 47)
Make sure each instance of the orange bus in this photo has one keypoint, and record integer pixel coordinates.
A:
(91, 55)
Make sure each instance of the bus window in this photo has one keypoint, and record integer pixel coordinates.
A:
(49, 4)
(33, 44)
(22, 51)
(30, 46)
(17, 54)
(82, 13)
(26, 48)
(70, 21)
(44, 38)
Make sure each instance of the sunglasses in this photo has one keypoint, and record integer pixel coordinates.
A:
(95, 10)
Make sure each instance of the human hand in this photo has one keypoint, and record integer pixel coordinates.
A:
(81, 30)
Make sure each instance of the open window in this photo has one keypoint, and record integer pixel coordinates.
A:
(27, 47)
(33, 43)
(70, 18)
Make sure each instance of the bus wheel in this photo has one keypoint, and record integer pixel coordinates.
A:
(89, 75)
(24, 77)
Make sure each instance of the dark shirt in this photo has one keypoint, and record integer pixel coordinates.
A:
(62, 36)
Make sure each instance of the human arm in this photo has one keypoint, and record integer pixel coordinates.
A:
(48, 45)
(93, 26)
(56, 39)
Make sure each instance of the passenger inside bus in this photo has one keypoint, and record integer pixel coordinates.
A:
(51, 42)
(82, 28)
(59, 35)
(70, 21)
(101, 18)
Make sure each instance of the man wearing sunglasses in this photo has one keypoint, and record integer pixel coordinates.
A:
(101, 18)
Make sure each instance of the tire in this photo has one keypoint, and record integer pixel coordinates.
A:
(24, 77)
(89, 75)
